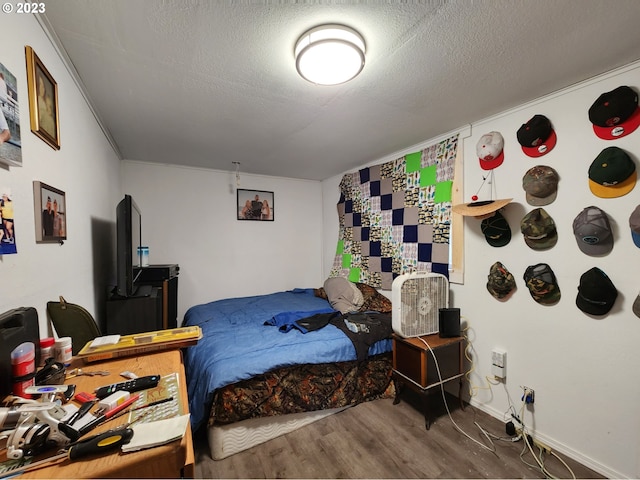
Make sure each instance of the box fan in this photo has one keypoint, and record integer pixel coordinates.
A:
(416, 300)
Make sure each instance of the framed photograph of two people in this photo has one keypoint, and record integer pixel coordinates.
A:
(50, 206)
(255, 205)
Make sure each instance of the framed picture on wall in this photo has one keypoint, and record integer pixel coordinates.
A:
(50, 206)
(43, 100)
(255, 205)
(8, 243)
(10, 143)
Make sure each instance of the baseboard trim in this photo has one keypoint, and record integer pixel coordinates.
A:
(558, 446)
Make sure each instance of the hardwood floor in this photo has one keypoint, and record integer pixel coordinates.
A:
(381, 440)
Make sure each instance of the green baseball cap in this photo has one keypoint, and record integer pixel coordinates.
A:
(612, 174)
(539, 229)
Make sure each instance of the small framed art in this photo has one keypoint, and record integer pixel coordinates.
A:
(43, 100)
(255, 205)
(50, 207)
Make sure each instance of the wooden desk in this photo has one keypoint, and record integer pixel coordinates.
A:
(414, 366)
(173, 460)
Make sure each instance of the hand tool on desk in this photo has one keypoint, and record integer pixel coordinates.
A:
(107, 415)
(81, 412)
(148, 405)
(74, 434)
(76, 372)
(95, 445)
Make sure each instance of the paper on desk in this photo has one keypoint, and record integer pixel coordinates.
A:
(104, 340)
(153, 434)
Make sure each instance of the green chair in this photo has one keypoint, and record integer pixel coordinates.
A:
(70, 320)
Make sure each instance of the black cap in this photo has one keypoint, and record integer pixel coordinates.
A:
(613, 107)
(496, 230)
(596, 292)
(537, 136)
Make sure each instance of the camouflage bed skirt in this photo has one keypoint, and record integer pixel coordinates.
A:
(304, 388)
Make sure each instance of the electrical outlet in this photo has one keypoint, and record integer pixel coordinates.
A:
(544, 447)
(499, 357)
(515, 427)
(499, 363)
(529, 395)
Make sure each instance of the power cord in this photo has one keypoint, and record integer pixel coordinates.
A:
(529, 444)
(473, 389)
(523, 434)
(444, 398)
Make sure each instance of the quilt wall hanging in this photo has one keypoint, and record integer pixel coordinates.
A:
(396, 217)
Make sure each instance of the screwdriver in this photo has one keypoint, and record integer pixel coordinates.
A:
(98, 444)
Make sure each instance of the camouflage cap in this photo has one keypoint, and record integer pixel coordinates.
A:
(496, 230)
(541, 185)
(542, 284)
(539, 229)
(500, 281)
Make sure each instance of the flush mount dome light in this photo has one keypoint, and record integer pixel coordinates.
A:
(330, 54)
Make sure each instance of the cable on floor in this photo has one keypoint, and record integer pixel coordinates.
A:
(492, 448)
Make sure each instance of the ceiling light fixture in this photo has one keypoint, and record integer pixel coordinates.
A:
(330, 54)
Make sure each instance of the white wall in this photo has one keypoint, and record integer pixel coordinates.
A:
(189, 218)
(583, 369)
(86, 169)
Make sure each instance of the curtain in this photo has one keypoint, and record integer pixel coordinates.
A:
(395, 217)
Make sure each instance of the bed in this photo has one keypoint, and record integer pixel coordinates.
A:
(269, 364)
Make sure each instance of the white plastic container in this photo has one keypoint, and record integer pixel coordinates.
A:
(46, 350)
(63, 350)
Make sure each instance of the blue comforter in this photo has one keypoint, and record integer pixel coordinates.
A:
(236, 345)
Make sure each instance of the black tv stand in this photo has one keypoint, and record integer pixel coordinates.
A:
(154, 305)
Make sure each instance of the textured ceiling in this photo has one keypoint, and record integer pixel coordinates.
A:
(206, 83)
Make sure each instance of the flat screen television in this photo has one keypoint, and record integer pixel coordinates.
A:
(129, 239)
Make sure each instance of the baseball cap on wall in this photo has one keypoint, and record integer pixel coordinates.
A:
(496, 230)
(596, 292)
(612, 174)
(490, 150)
(541, 185)
(634, 224)
(593, 232)
(542, 284)
(636, 306)
(500, 281)
(615, 114)
(537, 137)
(539, 229)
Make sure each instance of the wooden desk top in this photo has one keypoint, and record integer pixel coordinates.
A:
(172, 460)
(434, 341)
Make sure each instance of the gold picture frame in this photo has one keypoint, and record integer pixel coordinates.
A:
(43, 100)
